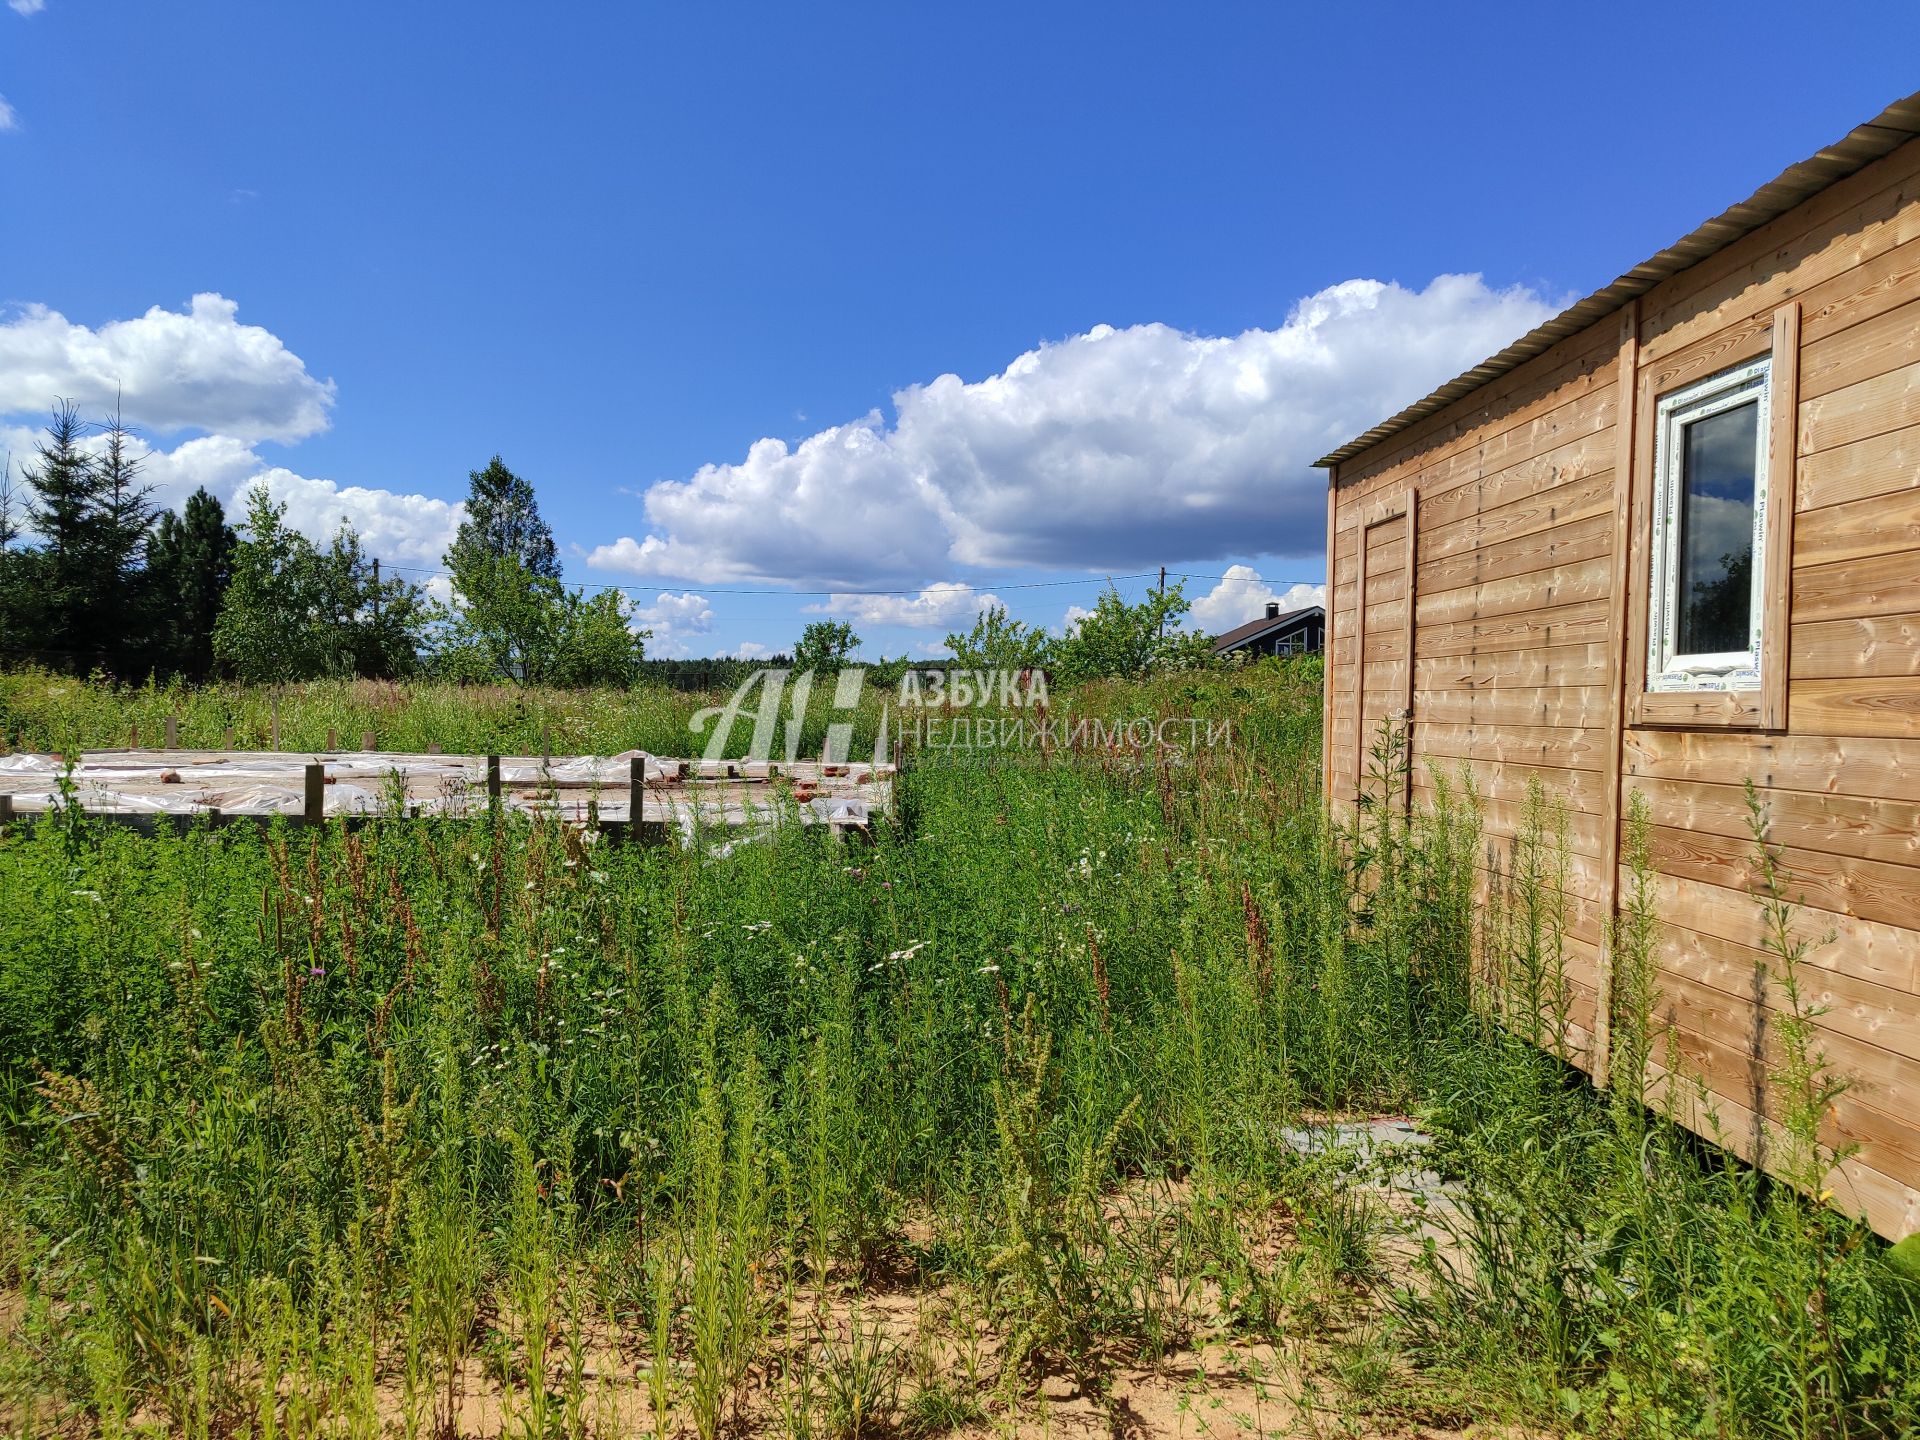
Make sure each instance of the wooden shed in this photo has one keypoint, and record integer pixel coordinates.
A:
(1668, 541)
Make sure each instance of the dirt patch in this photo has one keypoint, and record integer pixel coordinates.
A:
(896, 1349)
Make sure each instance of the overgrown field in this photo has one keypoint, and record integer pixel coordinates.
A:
(42, 710)
(46, 711)
(1021, 1120)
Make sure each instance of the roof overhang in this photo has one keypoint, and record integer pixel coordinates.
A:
(1882, 135)
(1252, 630)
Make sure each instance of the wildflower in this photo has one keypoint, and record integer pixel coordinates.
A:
(909, 952)
(988, 970)
(317, 971)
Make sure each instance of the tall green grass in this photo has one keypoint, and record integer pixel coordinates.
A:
(319, 1132)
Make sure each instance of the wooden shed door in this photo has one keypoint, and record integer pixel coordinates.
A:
(1384, 664)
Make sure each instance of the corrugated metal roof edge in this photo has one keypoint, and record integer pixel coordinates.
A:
(1882, 135)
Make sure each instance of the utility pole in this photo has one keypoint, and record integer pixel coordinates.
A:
(376, 595)
(1163, 593)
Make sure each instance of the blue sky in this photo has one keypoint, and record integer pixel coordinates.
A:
(699, 271)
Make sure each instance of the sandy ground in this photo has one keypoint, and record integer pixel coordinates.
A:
(936, 1355)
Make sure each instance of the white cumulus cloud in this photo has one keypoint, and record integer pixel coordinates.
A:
(410, 530)
(1110, 448)
(167, 370)
(404, 529)
(26, 7)
(675, 621)
(9, 117)
(840, 507)
(942, 604)
(201, 369)
(1241, 595)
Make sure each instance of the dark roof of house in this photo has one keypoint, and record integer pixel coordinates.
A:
(1255, 629)
(1882, 135)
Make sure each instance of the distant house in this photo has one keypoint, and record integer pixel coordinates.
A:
(1296, 632)
(1666, 543)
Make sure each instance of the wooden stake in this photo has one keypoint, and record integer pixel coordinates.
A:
(316, 809)
(133, 741)
(493, 781)
(173, 732)
(366, 740)
(434, 748)
(636, 792)
(6, 809)
(276, 722)
(333, 739)
(227, 743)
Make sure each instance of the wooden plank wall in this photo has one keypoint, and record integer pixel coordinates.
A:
(1512, 555)
(1519, 636)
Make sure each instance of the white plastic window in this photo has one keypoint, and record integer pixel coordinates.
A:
(1709, 533)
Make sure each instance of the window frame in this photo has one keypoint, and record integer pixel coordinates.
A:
(1669, 671)
(1664, 383)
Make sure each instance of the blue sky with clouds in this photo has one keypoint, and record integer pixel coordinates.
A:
(945, 301)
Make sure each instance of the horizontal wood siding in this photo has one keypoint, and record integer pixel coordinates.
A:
(1510, 632)
(1516, 628)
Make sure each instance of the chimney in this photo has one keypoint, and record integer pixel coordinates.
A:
(1273, 609)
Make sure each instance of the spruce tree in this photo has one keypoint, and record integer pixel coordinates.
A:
(9, 504)
(18, 573)
(66, 512)
(190, 565)
(122, 616)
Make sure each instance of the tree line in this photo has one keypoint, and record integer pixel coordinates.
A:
(1117, 638)
(96, 577)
